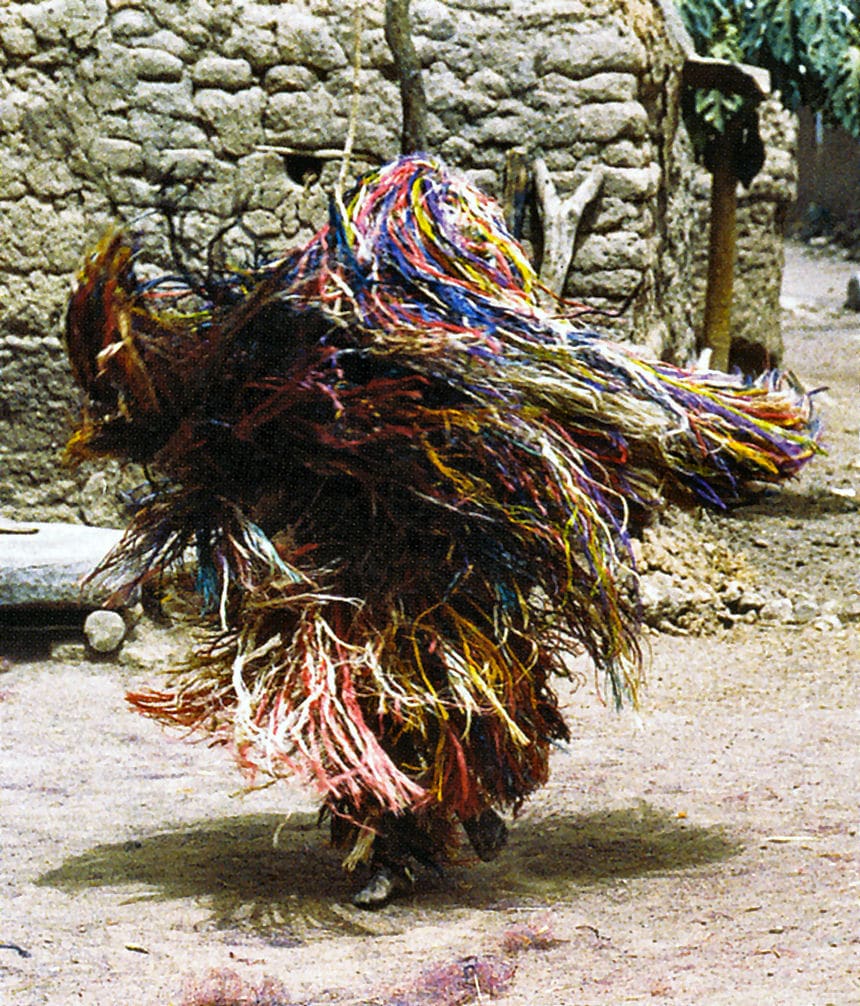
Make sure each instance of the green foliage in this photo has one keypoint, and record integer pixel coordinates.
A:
(810, 47)
(713, 108)
(716, 109)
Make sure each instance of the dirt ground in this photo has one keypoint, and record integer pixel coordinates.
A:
(703, 851)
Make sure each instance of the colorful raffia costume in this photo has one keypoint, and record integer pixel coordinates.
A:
(409, 488)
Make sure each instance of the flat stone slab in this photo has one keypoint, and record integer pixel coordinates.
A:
(43, 564)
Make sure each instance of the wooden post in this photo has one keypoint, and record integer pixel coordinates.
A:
(717, 328)
(516, 190)
(398, 34)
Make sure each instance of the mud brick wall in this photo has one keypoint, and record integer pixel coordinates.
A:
(230, 113)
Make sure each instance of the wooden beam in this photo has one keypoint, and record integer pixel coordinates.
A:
(730, 78)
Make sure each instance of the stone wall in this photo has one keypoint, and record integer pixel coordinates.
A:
(234, 111)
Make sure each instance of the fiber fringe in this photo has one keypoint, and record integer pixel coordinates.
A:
(409, 489)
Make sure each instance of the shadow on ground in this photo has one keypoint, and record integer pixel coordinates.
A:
(295, 889)
(792, 502)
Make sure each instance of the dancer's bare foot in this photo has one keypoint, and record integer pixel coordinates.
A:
(385, 883)
(488, 834)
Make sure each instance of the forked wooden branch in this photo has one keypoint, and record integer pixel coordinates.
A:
(560, 219)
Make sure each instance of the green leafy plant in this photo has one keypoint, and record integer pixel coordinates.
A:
(810, 47)
(713, 107)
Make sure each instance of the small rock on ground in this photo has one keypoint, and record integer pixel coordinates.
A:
(105, 630)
